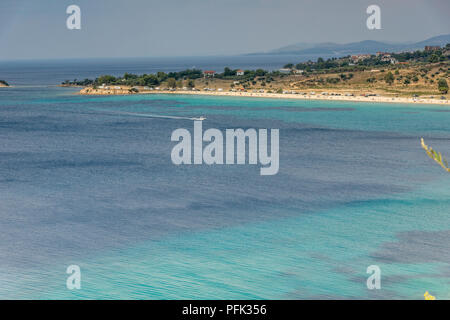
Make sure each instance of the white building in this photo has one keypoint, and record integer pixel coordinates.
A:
(285, 70)
(209, 73)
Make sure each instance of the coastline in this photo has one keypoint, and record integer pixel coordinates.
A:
(308, 96)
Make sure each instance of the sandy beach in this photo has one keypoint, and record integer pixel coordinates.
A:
(300, 96)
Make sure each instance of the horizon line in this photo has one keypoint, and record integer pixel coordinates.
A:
(269, 51)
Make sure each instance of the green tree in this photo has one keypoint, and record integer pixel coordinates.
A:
(128, 76)
(260, 72)
(172, 83)
(191, 83)
(150, 80)
(389, 78)
(443, 86)
(433, 58)
(161, 76)
(227, 72)
(107, 79)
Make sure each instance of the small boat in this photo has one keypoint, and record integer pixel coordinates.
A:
(199, 118)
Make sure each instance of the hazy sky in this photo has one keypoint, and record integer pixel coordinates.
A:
(129, 28)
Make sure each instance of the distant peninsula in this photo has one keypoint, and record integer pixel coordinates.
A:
(330, 49)
(420, 76)
(3, 83)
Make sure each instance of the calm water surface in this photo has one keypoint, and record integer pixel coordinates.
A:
(83, 183)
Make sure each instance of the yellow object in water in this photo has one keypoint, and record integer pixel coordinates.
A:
(429, 296)
(436, 156)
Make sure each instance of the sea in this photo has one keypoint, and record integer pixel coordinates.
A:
(88, 181)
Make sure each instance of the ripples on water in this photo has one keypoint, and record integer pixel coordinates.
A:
(82, 183)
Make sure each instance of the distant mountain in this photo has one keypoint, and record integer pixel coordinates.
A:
(293, 48)
(435, 41)
(367, 46)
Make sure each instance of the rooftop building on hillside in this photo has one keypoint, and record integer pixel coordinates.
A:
(209, 73)
(360, 57)
(432, 48)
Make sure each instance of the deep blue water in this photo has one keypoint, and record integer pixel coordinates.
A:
(83, 183)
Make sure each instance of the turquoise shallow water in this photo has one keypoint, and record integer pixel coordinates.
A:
(83, 183)
(312, 256)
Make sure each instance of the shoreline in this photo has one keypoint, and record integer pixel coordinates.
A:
(309, 96)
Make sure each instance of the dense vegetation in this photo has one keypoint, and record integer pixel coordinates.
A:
(423, 56)
(426, 67)
(345, 64)
(130, 79)
(172, 78)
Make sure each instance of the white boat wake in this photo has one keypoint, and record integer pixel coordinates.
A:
(147, 115)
